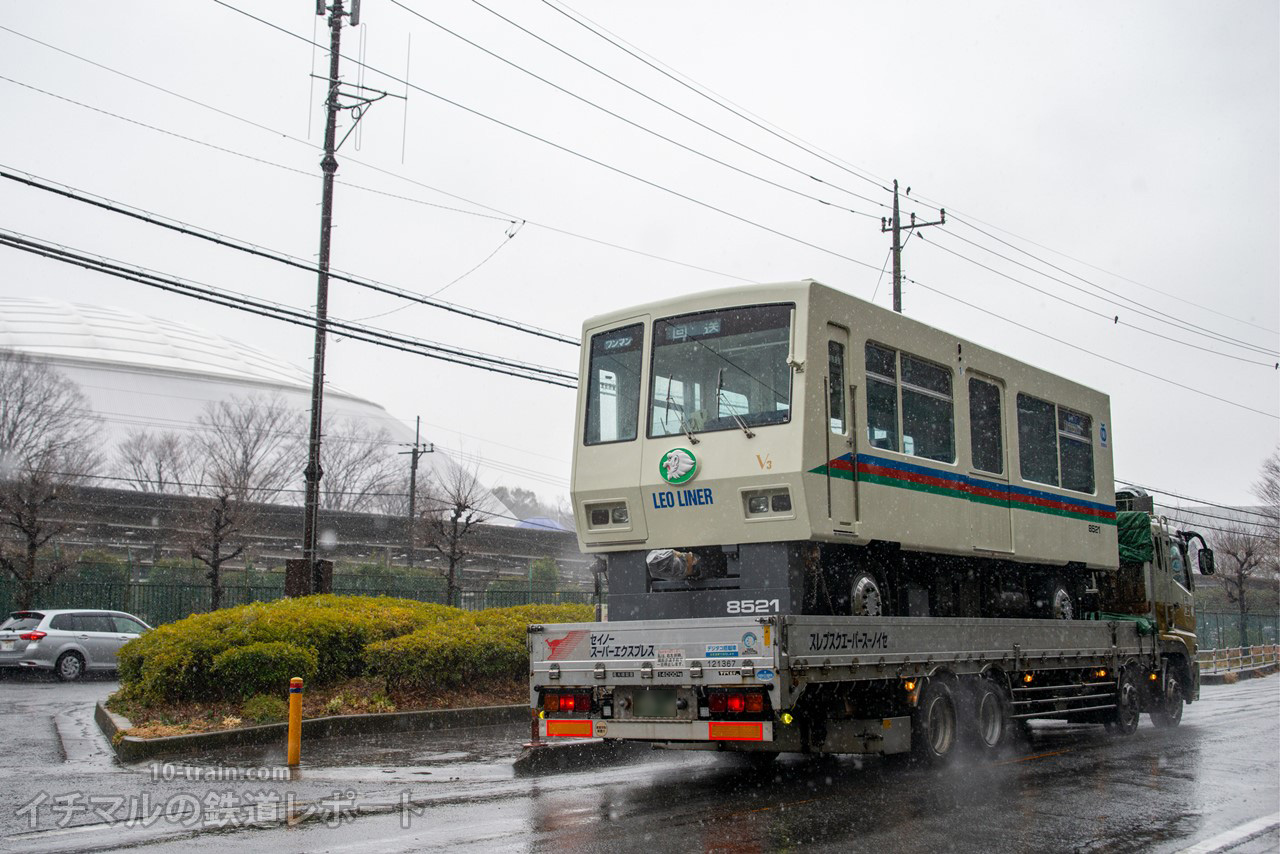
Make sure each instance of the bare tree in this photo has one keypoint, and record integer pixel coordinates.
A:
(250, 446)
(457, 504)
(359, 469)
(1251, 547)
(247, 452)
(1245, 550)
(46, 448)
(525, 504)
(155, 462)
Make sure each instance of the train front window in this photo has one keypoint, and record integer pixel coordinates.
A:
(613, 385)
(720, 370)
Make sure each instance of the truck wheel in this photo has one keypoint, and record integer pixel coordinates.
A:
(1128, 704)
(933, 726)
(1167, 712)
(866, 597)
(989, 725)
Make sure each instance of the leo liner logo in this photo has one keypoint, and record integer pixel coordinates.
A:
(678, 466)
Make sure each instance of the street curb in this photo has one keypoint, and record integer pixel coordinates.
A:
(1251, 673)
(133, 749)
(575, 755)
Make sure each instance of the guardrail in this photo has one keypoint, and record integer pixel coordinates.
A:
(1238, 659)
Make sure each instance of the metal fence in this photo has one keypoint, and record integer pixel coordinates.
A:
(1239, 659)
(158, 603)
(1222, 630)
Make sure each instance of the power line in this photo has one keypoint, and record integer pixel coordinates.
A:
(1115, 320)
(623, 118)
(1202, 501)
(1200, 306)
(668, 107)
(567, 150)
(1091, 352)
(520, 370)
(719, 100)
(1159, 317)
(292, 261)
(496, 215)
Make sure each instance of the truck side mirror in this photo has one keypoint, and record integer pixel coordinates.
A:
(1206, 561)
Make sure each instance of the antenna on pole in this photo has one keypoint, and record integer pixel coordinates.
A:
(897, 228)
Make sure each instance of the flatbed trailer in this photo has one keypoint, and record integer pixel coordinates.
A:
(878, 685)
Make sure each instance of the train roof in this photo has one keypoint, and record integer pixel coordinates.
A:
(814, 290)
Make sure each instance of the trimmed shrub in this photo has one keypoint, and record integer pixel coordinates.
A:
(184, 660)
(485, 645)
(262, 668)
(265, 709)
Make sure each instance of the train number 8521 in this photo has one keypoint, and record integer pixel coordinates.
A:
(752, 606)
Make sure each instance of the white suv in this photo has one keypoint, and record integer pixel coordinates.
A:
(66, 642)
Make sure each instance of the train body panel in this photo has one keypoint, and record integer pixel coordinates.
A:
(871, 427)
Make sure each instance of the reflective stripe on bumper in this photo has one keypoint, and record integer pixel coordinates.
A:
(658, 730)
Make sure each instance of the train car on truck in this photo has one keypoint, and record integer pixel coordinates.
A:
(830, 528)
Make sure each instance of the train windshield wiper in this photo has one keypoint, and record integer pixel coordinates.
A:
(721, 406)
(688, 431)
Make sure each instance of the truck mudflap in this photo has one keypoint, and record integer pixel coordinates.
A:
(761, 731)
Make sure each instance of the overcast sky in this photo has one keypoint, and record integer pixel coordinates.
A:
(1134, 146)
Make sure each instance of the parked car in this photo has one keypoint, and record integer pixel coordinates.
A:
(68, 642)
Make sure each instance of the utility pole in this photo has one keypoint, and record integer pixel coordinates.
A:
(416, 450)
(329, 165)
(897, 228)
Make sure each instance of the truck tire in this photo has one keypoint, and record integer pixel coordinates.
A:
(1166, 711)
(988, 726)
(933, 725)
(1128, 704)
(866, 595)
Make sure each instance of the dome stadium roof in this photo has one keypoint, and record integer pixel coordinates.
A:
(67, 331)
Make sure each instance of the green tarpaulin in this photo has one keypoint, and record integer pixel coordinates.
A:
(1146, 626)
(1133, 528)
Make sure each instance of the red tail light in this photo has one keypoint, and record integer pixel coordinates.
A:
(736, 703)
(33, 636)
(716, 702)
(556, 702)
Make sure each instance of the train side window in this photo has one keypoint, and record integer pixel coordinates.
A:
(835, 393)
(882, 397)
(928, 414)
(1075, 447)
(613, 385)
(986, 435)
(1037, 440)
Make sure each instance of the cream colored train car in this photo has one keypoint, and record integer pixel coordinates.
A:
(792, 449)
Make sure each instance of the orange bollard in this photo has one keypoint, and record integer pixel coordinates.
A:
(295, 720)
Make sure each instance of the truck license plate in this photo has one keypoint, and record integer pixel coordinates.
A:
(655, 704)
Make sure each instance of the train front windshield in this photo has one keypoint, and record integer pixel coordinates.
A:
(720, 370)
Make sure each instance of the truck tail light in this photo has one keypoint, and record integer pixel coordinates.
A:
(755, 702)
(33, 636)
(716, 703)
(553, 701)
(737, 703)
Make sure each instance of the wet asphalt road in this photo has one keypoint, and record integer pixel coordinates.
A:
(1067, 788)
